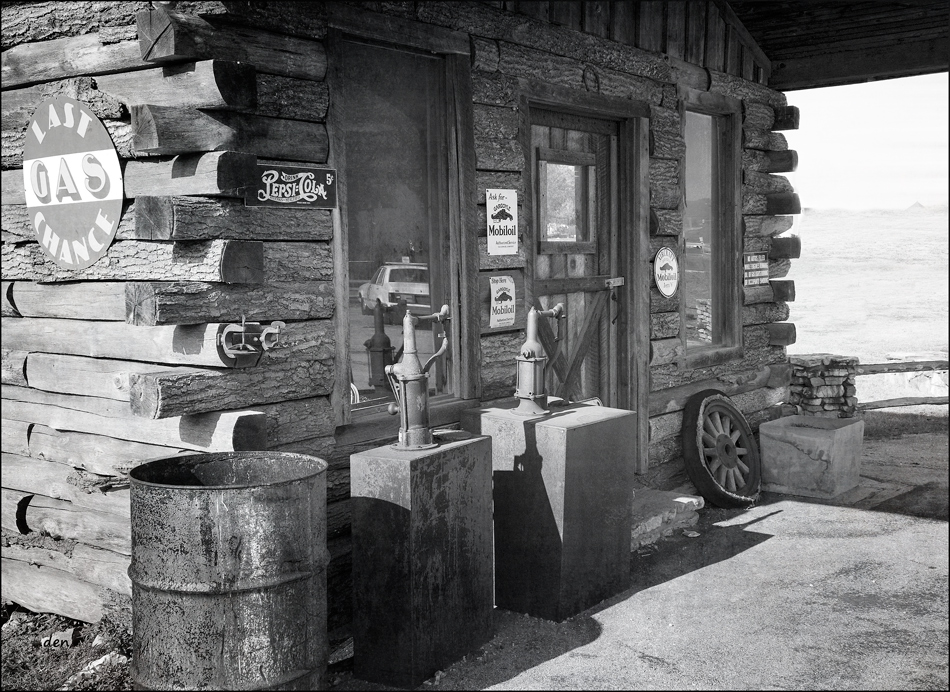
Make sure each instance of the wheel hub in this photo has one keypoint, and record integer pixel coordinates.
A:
(726, 450)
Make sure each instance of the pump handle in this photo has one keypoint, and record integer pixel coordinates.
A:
(557, 312)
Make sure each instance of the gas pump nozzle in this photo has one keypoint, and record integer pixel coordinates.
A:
(532, 363)
(410, 383)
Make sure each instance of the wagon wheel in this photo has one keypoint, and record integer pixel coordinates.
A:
(722, 458)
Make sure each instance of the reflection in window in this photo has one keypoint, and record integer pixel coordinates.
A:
(396, 217)
(566, 215)
(701, 229)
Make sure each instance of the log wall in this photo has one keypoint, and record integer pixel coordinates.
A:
(119, 363)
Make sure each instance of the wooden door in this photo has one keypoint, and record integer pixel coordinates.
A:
(576, 252)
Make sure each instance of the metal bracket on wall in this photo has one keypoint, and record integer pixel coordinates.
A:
(241, 345)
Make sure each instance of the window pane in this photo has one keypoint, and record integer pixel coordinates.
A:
(565, 190)
(395, 168)
(700, 229)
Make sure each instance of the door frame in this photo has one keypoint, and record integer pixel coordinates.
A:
(633, 189)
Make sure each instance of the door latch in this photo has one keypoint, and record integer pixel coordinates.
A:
(614, 282)
(243, 344)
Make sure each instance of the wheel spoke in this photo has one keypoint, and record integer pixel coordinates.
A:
(710, 452)
(735, 435)
(739, 478)
(741, 450)
(725, 420)
(745, 469)
(714, 464)
(721, 476)
(730, 481)
(709, 427)
(709, 439)
(717, 423)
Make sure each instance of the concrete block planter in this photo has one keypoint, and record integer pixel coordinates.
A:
(811, 456)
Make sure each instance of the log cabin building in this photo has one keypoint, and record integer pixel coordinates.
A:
(613, 129)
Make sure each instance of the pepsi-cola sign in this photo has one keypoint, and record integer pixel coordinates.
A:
(73, 182)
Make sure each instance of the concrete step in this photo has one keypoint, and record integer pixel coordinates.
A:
(658, 513)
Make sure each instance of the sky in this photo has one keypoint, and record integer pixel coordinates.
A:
(879, 145)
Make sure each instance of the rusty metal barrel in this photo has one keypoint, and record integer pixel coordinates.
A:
(228, 572)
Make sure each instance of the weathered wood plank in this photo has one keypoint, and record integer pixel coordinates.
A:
(50, 590)
(93, 565)
(160, 303)
(93, 377)
(202, 218)
(180, 130)
(904, 401)
(6, 300)
(16, 437)
(13, 366)
(53, 480)
(227, 261)
(226, 431)
(224, 173)
(299, 366)
(44, 61)
(908, 366)
(169, 36)
(13, 511)
(94, 300)
(178, 345)
(99, 454)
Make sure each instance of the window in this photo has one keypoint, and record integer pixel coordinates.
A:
(711, 231)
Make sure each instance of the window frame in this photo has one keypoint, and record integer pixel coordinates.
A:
(461, 269)
(727, 251)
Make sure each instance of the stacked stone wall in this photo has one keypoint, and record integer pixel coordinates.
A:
(823, 385)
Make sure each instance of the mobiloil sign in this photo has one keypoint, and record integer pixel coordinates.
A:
(73, 182)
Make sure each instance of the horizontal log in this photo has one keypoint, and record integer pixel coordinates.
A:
(16, 437)
(666, 138)
(6, 300)
(786, 118)
(52, 480)
(783, 290)
(760, 313)
(93, 300)
(18, 223)
(93, 565)
(737, 87)
(766, 226)
(169, 36)
(664, 325)
(764, 183)
(776, 291)
(99, 454)
(224, 173)
(176, 345)
(732, 383)
(13, 366)
(44, 61)
(95, 377)
(180, 130)
(226, 431)
(779, 268)
(766, 141)
(786, 247)
(65, 520)
(302, 419)
(221, 84)
(769, 161)
(293, 261)
(904, 401)
(665, 351)
(295, 99)
(782, 334)
(201, 218)
(58, 19)
(666, 222)
(305, 370)
(907, 366)
(771, 204)
(227, 261)
(158, 303)
(13, 511)
(50, 590)
(498, 154)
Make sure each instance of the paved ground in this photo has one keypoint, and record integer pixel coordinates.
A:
(792, 594)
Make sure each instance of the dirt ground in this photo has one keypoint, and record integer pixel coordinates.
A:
(904, 469)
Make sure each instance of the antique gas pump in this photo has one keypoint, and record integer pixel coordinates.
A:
(379, 349)
(410, 382)
(532, 363)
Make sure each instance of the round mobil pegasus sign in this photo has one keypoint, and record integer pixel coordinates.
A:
(73, 182)
(666, 273)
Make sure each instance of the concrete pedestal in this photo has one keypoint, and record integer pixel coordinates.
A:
(811, 456)
(563, 486)
(422, 558)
